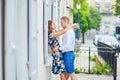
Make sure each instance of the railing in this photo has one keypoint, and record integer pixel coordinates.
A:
(107, 53)
(83, 58)
(110, 56)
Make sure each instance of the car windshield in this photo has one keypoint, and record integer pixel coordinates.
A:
(109, 40)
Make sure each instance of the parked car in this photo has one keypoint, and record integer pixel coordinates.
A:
(96, 39)
(109, 40)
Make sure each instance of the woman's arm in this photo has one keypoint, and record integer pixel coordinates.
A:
(75, 25)
(60, 32)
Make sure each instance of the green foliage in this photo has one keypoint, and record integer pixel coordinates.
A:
(89, 17)
(117, 8)
(77, 71)
(94, 18)
(77, 54)
(92, 58)
(102, 69)
(99, 69)
(81, 70)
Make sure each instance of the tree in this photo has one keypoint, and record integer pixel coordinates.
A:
(117, 8)
(94, 18)
(83, 12)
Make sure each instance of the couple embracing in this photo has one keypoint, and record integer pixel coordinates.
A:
(63, 55)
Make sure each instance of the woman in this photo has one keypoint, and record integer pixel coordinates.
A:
(58, 63)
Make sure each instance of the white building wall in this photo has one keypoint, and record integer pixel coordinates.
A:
(10, 55)
(70, 4)
(42, 71)
(33, 39)
(16, 40)
(21, 39)
(59, 10)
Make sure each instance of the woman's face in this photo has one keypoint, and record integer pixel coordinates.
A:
(53, 26)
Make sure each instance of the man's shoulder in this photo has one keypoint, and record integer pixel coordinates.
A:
(69, 31)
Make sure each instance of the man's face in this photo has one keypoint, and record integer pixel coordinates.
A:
(63, 23)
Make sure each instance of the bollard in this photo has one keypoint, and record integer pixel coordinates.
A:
(115, 67)
(89, 61)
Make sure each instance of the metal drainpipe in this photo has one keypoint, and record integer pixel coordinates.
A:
(43, 31)
(28, 27)
(3, 39)
(28, 39)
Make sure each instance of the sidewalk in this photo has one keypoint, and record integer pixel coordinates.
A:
(93, 77)
(87, 77)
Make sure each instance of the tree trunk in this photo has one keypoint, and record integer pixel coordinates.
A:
(83, 38)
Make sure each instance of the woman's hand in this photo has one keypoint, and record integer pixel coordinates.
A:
(55, 49)
(76, 25)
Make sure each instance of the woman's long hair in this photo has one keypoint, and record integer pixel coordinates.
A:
(50, 26)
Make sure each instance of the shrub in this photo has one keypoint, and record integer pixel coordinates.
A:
(77, 71)
(102, 69)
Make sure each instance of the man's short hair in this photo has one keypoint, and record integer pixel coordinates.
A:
(66, 19)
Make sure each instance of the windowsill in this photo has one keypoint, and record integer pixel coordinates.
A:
(48, 60)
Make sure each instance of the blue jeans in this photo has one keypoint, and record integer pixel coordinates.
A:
(69, 58)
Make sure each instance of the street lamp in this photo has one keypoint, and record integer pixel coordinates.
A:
(78, 5)
(78, 8)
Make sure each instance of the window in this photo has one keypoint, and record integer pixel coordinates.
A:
(98, 3)
(51, 11)
(107, 28)
(98, 9)
(47, 15)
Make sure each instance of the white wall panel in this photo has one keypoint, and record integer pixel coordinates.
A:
(21, 39)
(33, 39)
(16, 40)
(10, 59)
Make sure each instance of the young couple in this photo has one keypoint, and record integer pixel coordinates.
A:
(63, 56)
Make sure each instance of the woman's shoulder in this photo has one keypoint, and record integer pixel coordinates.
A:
(50, 35)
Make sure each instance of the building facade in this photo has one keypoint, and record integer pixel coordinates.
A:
(103, 6)
(109, 21)
(23, 37)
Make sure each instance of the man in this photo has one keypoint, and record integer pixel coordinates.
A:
(68, 48)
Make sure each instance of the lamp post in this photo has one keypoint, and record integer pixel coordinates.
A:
(78, 8)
